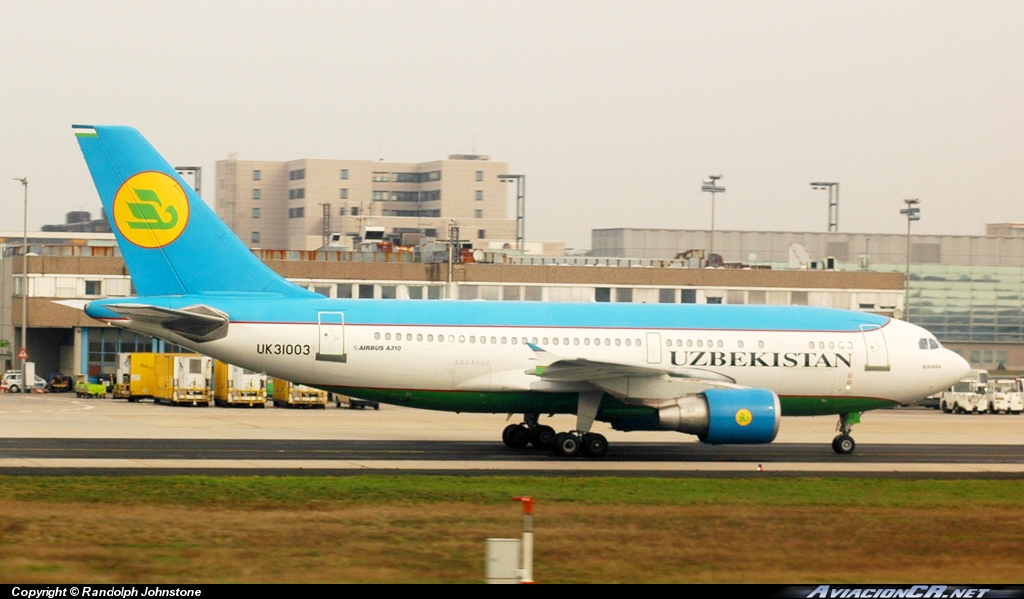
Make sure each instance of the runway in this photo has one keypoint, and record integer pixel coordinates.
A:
(60, 434)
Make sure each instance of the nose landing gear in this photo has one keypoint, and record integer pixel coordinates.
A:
(844, 444)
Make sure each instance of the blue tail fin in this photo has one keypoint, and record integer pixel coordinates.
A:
(172, 243)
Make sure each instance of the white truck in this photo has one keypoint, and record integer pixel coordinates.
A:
(970, 395)
(1007, 395)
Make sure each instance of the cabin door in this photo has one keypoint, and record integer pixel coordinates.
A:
(654, 348)
(331, 337)
(874, 343)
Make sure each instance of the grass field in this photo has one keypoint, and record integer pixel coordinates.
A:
(432, 529)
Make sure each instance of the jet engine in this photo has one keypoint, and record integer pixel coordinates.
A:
(720, 416)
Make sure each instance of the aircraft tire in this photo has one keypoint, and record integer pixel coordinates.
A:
(542, 436)
(594, 445)
(843, 444)
(566, 445)
(515, 436)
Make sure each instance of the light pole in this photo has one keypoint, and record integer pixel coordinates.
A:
(520, 207)
(833, 204)
(913, 213)
(710, 186)
(24, 290)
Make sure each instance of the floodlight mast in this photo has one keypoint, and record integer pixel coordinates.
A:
(912, 212)
(710, 185)
(833, 203)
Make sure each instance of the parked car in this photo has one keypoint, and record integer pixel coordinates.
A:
(12, 382)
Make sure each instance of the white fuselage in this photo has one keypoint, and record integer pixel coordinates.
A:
(887, 366)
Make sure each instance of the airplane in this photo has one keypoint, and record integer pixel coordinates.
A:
(725, 373)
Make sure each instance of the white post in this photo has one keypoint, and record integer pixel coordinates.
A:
(526, 574)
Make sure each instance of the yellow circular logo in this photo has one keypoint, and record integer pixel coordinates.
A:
(151, 209)
(743, 417)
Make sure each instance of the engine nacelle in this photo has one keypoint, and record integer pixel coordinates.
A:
(719, 416)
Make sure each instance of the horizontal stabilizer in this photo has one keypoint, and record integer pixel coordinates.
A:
(198, 323)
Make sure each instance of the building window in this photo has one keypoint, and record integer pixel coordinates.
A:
(256, 175)
(624, 295)
(603, 294)
(481, 234)
(379, 196)
(344, 290)
(255, 194)
(255, 212)
(344, 193)
(666, 296)
(479, 175)
(344, 173)
(93, 287)
(478, 213)
(381, 177)
(297, 194)
(255, 236)
(297, 174)
(714, 300)
(688, 296)
(296, 213)
(355, 211)
(430, 232)
(366, 292)
(479, 194)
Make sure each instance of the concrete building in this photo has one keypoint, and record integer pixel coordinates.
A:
(292, 204)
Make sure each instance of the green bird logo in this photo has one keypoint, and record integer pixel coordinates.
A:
(149, 212)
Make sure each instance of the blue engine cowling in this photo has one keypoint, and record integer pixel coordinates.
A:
(742, 416)
(720, 416)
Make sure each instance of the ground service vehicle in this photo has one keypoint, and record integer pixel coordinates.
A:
(970, 395)
(1006, 395)
(136, 376)
(353, 403)
(289, 395)
(724, 373)
(12, 382)
(88, 386)
(183, 379)
(237, 386)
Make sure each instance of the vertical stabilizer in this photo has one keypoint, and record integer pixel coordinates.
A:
(172, 242)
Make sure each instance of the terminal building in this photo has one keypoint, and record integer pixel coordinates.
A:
(967, 290)
(62, 338)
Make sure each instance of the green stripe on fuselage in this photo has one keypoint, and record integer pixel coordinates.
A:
(515, 402)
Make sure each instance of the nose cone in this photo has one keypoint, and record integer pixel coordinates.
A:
(957, 365)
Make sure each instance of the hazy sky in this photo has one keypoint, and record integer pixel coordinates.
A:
(615, 111)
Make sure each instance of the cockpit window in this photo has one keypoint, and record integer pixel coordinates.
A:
(928, 344)
(923, 344)
(933, 344)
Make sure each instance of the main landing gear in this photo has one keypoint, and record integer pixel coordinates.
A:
(843, 443)
(569, 444)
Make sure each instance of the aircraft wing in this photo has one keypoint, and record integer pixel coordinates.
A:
(198, 323)
(572, 370)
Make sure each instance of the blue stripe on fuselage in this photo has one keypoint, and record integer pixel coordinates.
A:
(518, 314)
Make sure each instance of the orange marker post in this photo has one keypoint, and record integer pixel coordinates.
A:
(526, 576)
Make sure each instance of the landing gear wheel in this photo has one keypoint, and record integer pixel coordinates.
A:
(566, 445)
(542, 436)
(594, 445)
(843, 444)
(515, 436)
